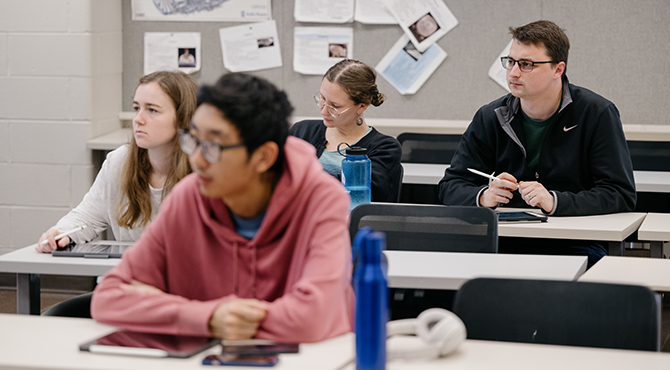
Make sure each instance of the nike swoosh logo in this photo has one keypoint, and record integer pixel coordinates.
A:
(566, 129)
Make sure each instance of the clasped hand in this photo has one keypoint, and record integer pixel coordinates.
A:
(532, 192)
(236, 319)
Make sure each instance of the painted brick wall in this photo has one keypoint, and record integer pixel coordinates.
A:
(60, 85)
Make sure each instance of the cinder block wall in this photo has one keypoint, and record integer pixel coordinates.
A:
(60, 85)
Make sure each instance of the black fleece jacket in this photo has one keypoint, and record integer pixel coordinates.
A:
(584, 160)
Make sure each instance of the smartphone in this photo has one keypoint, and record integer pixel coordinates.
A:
(261, 349)
(241, 360)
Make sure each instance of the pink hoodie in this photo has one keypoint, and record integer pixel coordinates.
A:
(299, 261)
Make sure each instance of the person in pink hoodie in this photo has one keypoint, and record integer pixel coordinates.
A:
(253, 244)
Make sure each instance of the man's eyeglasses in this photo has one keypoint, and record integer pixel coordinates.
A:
(524, 65)
(211, 151)
(321, 102)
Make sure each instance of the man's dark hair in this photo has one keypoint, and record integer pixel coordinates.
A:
(545, 33)
(255, 106)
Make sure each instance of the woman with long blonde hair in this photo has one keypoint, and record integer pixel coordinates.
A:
(134, 179)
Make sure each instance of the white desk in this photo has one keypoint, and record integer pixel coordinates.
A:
(612, 228)
(652, 181)
(431, 174)
(423, 173)
(428, 270)
(436, 270)
(31, 342)
(654, 273)
(29, 264)
(656, 229)
(34, 342)
(488, 355)
(110, 141)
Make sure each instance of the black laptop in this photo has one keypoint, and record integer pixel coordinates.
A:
(95, 249)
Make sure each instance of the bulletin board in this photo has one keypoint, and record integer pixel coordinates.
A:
(619, 48)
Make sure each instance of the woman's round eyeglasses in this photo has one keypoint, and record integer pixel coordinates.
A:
(321, 102)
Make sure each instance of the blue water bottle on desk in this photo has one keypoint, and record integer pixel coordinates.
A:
(371, 300)
(356, 178)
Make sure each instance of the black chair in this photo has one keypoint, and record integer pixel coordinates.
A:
(650, 156)
(425, 148)
(428, 148)
(402, 173)
(560, 312)
(428, 228)
(79, 306)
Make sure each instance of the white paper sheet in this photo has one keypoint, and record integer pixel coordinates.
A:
(315, 49)
(250, 47)
(202, 10)
(373, 12)
(171, 51)
(497, 72)
(423, 21)
(324, 11)
(407, 69)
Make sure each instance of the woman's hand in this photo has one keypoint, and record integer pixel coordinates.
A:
(51, 244)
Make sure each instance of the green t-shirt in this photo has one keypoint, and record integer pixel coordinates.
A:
(535, 132)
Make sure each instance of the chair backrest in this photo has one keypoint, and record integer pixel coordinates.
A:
(431, 228)
(402, 174)
(560, 312)
(428, 148)
(79, 306)
(650, 155)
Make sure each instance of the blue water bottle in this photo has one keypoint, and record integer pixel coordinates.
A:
(356, 178)
(371, 300)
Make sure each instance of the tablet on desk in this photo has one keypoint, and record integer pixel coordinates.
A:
(96, 249)
(149, 345)
(520, 216)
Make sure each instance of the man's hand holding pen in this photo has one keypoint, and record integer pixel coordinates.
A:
(500, 191)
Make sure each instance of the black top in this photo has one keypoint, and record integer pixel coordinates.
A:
(384, 153)
(584, 160)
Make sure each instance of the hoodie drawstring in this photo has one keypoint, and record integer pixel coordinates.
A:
(235, 281)
(254, 269)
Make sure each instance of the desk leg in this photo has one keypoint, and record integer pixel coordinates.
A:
(616, 248)
(28, 294)
(656, 249)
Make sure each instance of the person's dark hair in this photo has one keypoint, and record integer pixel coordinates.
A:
(257, 109)
(358, 81)
(545, 33)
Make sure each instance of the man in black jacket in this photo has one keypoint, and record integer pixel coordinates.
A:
(552, 145)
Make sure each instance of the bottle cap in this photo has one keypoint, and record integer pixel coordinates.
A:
(374, 244)
(355, 150)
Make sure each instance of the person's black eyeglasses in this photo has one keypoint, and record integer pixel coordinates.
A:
(524, 65)
(210, 151)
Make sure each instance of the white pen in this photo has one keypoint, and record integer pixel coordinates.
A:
(62, 235)
(480, 173)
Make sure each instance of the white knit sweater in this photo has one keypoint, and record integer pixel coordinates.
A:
(98, 208)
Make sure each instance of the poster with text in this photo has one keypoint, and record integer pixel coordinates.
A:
(250, 47)
(169, 51)
(202, 10)
(315, 49)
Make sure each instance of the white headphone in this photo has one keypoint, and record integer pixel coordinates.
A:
(441, 330)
